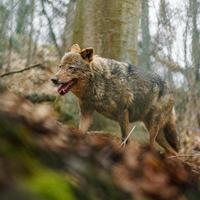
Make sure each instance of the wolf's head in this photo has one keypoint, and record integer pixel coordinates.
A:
(73, 69)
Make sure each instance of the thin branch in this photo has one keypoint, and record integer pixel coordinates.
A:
(22, 70)
(53, 36)
(186, 155)
(170, 64)
(126, 139)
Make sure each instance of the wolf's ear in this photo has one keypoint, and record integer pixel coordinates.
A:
(87, 54)
(75, 48)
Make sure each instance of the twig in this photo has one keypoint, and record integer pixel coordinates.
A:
(21, 70)
(187, 155)
(125, 140)
(173, 66)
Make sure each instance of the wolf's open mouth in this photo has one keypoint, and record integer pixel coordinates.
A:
(65, 87)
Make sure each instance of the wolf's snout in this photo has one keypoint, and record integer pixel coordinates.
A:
(54, 80)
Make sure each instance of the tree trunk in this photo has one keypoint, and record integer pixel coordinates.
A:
(10, 43)
(69, 23)
(30, 39)
(145, 45)
(195, 39)
(21, 16)
(111, 27)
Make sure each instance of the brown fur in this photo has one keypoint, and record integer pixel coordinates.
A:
(121, 92)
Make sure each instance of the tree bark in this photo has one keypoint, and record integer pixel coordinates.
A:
(111, 27)
(69, 23)
(195, 39)
(145, 45)
(10, 44)
(30, 39)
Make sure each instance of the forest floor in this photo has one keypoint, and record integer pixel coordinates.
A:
(40, 158)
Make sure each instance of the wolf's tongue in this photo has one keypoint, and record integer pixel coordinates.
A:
(64, 88)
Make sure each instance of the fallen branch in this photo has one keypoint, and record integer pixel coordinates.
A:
(21, 70)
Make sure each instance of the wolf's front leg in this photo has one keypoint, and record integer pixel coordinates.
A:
(124, 123)
(85, 122)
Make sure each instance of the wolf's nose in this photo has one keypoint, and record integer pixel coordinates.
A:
(54, 80)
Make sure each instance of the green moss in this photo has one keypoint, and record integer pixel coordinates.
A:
(25, 167)
(49, 185)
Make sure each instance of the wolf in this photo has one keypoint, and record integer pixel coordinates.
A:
(119, 91)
